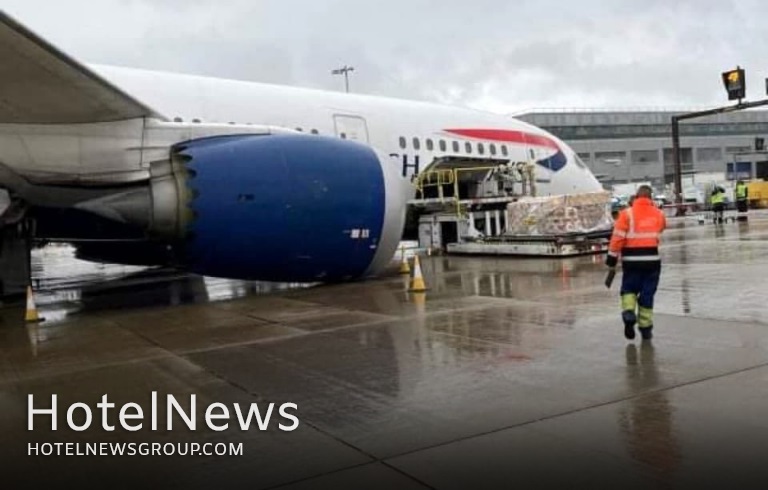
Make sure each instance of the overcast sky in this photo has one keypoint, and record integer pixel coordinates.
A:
(499, 55)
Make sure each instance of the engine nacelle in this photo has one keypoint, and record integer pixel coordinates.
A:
(289, 207)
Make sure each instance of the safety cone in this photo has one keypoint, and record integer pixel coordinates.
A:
(31, 315)
(405, 268)
(417, 280)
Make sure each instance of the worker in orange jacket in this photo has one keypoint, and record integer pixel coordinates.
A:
(635, 239)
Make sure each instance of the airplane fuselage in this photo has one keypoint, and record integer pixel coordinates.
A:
(412, 133)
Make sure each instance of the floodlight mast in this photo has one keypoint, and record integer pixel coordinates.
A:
(344, 70)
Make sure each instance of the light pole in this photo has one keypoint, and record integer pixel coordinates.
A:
(344, 70)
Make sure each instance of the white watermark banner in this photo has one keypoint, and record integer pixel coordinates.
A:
(134, 449)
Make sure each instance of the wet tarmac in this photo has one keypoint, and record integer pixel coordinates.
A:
(506, 373)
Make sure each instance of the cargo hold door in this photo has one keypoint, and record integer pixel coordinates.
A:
(351, 127)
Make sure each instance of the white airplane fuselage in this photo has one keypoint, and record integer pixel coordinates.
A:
(384, 123)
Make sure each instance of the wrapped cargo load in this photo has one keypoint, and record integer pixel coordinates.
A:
(560, 215)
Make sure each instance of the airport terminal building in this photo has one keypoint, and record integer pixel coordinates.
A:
(634, 146)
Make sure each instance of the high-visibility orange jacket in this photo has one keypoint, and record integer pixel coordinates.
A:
(636, 233)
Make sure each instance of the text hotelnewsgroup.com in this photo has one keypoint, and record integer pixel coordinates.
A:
(134, 449)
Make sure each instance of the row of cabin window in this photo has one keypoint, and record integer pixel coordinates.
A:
(456, 146)
(442, 144)
(431, 145)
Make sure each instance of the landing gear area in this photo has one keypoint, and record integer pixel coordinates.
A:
(15, 247)
(15, 271)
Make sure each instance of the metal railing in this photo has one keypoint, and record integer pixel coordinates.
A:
(452, 177)
(435, 178)
(604, 110)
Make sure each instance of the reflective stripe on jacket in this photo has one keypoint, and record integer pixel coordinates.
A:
(637, 232)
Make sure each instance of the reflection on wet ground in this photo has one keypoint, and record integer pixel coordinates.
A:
(66, 285)
(506, 370)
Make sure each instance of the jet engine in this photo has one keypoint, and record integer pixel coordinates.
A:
(282, 207)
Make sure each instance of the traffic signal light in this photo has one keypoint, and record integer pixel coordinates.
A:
(735, 84)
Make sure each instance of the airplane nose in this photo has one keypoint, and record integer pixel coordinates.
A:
(576, 177)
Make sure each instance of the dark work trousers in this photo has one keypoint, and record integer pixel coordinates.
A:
(638, 287)
(718, 209)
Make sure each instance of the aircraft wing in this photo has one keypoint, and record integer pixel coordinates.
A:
(41, 85)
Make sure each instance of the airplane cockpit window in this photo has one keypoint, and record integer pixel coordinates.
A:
(443, 146)
(343, 136)
(403, 142)
(416, 144)
(468, 147)
(455, 146)
(314, 131)
(492, 149)
(504, 150)
(430, 145)
(481, 148)
(297, 129)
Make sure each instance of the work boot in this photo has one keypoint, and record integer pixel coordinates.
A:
(630, 319)
(646, 332)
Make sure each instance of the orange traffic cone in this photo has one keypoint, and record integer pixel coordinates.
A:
(405, 268)
(31, 315)
(417, 280)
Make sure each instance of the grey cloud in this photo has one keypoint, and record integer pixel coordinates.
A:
(492, 54)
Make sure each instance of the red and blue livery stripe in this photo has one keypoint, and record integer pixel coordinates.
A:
(555, 162)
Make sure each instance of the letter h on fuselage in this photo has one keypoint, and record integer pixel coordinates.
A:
(414, 165)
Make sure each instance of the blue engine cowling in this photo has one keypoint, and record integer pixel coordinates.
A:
(289, 208)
